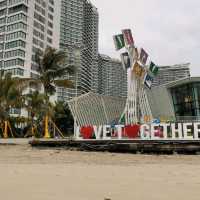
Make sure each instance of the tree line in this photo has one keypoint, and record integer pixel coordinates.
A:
(32, 95)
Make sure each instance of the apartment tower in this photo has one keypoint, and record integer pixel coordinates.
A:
(112, 79)
(26, 26)
(79, 38)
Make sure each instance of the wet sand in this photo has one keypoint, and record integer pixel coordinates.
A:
(54, 174)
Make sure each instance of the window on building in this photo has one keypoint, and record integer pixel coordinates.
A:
(2, 12)
(2, 4)
(38, 34)
(15, 71)
(51, 9)
(39, 9)
(38, 26)
(13, 63)
(16, 35)
(14, 53)
(1, 55)
(39, 18)
(18, 8)
(38, 42)
(51, 2)
(2, 29)
(1, 46)
(14, 44)
(50, 24)
(49, 32)
(49, 40)
(2, 20)
(50, 16)
(17, 17)
(19, 25)
(12, 2)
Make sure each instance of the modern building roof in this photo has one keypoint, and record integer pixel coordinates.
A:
(167, 74)
(181, 65)
(182, 81)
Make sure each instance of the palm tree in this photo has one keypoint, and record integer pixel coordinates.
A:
(63, 117)
(51, 67)
(34, 102)
(10, 97)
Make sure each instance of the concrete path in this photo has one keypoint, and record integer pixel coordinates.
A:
(15, 141)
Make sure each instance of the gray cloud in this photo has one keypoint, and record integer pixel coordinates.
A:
(168, 30)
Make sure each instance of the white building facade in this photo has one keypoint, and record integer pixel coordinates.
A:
(112, 78)
(25, 27)
(79, 37)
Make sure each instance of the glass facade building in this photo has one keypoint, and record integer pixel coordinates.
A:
(186, 99)
(177, 100)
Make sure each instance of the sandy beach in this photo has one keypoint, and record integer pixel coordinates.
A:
(49, 174)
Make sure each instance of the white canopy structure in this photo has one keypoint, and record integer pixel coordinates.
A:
(96, 109)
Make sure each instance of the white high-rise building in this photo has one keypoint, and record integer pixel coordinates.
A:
(79, 31)
(112, 78)
(26, 26)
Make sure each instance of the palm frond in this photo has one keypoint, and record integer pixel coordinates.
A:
(53, 58)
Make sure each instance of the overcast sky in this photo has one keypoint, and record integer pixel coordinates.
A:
(169, 30)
